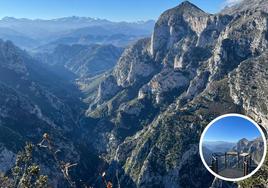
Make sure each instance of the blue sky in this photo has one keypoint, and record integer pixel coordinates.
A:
(115, 10)
(231, 129)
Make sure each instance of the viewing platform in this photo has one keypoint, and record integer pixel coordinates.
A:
(232, 164)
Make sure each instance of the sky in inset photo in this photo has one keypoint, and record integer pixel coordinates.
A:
(232, 129)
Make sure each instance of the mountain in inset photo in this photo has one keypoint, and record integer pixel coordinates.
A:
(219, 146)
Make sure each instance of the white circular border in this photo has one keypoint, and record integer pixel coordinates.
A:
(201, 149)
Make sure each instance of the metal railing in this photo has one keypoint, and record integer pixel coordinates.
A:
(242, 158)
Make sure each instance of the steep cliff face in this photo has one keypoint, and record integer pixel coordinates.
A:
(139, 64)
(196, 67)
(247, 5)
(248, 85)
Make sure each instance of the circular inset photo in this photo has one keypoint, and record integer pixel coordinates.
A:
(233, 147)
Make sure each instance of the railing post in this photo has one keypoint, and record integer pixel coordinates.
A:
(245, 168)
(250, 161)
(213, 163)
(237, 160)
(225, 159)
(216, 165)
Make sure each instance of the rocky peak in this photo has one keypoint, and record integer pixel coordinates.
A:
(186, 8)
(175, 25)
(243, 140)
(241, 145)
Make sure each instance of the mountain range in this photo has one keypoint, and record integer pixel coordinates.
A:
(255, 147)
(219, 146)
(140, 121)
(39, 34)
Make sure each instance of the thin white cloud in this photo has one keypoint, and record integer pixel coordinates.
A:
(232, 2)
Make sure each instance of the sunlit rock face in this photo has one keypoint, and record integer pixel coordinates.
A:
(248, 87)
(107, 89)
(134, 65)
(246, 5)
(195, 67)
(185, 22)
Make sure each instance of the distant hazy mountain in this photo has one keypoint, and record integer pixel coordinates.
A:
(219, 146)
(119, 40)
(30, 26)
(19, 38)
(40, 32)
(83, 60)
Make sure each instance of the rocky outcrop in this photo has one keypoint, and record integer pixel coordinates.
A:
(134, 65)
(246, 5)
(107, 89)
(248, 87)
(243, 37)
(166, 81)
